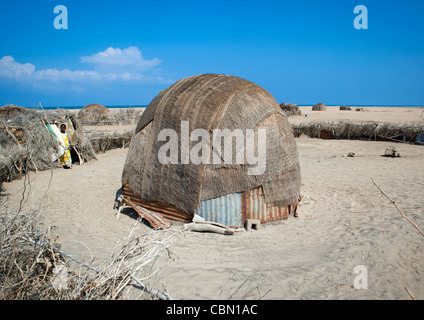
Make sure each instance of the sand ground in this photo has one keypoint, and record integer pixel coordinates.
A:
(344, 222)
(380, 114)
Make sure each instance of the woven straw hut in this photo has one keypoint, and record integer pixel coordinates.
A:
(93, 114)
(10, 111)
(319, 107)
(290, 109)
(224, 193)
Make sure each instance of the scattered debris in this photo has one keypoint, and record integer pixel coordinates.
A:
(203, 227)
(199, 224)
(351, 154)
(299, 203)
(391, 152)
(252, 223)
(303, 136)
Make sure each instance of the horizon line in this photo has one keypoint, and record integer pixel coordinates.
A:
(299, 105)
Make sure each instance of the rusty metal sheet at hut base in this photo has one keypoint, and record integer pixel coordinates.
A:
(254, 207)
(235, 209)
(156, 220)
(231, 210)
(165, 210)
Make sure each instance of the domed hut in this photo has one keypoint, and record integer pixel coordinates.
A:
(290, 109)
(10, 111)
(93, 114)
(319, 107)
(248, 168)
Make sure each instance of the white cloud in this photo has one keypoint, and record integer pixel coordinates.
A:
(116, 59)
(67, 75)
(9, 68)
(111, 65)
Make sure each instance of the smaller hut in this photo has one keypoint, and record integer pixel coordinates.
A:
(319, 107)
(10, 111)
(345, 108)
(94, 114)
(290, 109)
(28, 141)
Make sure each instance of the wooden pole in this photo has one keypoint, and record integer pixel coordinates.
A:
(403, 215)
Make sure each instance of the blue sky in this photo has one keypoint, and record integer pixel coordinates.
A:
(125, 52)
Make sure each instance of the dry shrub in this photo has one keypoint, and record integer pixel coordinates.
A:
(102, 141)
(33, 152)
(95, 115)
(11, 111)
(126, 116)
(399, 132)
(33, 267)
(25, 268)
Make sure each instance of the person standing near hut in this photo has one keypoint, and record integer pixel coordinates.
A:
(65, 159)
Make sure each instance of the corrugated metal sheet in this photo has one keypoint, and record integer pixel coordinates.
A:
(232, 209)
(226, 210)
(166, 210)
(254, 207)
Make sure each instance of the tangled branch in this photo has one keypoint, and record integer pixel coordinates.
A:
(33, 265)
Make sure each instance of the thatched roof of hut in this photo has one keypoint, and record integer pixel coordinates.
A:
(93, 114)
(319, 107)
(212, 101)
(95, 107)
(10, 111)
(290, 109)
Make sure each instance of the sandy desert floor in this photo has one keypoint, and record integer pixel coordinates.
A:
(344, 222)
(380, 114)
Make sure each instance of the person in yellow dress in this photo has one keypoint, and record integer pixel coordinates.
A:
(65, 159)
